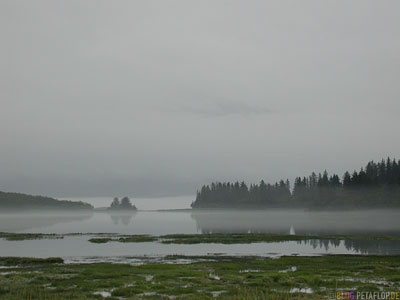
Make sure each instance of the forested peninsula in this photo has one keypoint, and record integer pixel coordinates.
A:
(24, 202)
(375, 186)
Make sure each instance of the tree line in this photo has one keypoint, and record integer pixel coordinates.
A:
(377, 185)
(18, 201)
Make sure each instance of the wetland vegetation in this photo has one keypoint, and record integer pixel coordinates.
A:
(213, 277)
(216, 238)
(239, 238)
(124, 239)
(10, 236)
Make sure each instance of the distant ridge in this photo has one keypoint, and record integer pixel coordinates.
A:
(24, 202)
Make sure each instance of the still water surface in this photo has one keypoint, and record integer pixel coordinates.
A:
(78, 249)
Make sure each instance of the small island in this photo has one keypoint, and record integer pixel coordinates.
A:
(122, 206)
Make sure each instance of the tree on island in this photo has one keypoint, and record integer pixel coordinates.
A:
(124, 204)
(115, 203)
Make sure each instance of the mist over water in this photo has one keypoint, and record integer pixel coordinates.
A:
(181, 202)
(149, 221)
(367, 222)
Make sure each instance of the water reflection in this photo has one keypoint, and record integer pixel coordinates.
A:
(79, 248)
(35, 221)
(121, 217)
(310, 223)
(299, 222)
(367, 247)
(170, 222)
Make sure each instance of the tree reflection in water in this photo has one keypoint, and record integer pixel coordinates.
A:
(123, 218)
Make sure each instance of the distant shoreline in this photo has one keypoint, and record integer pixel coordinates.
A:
(10, 202)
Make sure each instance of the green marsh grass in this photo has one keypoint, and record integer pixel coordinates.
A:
(238, 278)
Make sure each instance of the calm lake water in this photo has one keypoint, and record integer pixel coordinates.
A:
(78, 249)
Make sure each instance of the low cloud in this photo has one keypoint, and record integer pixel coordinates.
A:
(226, 108)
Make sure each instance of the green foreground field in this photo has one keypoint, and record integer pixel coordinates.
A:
(210, 277)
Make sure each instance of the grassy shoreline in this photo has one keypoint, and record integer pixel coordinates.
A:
(218, 238)
(222, 278)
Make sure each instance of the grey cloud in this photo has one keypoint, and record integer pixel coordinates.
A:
(160, 97)
(225, 108)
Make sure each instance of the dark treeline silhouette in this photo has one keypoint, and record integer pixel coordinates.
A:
(123, 205)
(375, 186)
(18, 201)
(239, 194)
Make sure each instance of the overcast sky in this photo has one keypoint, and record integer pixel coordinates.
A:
(159, 97)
